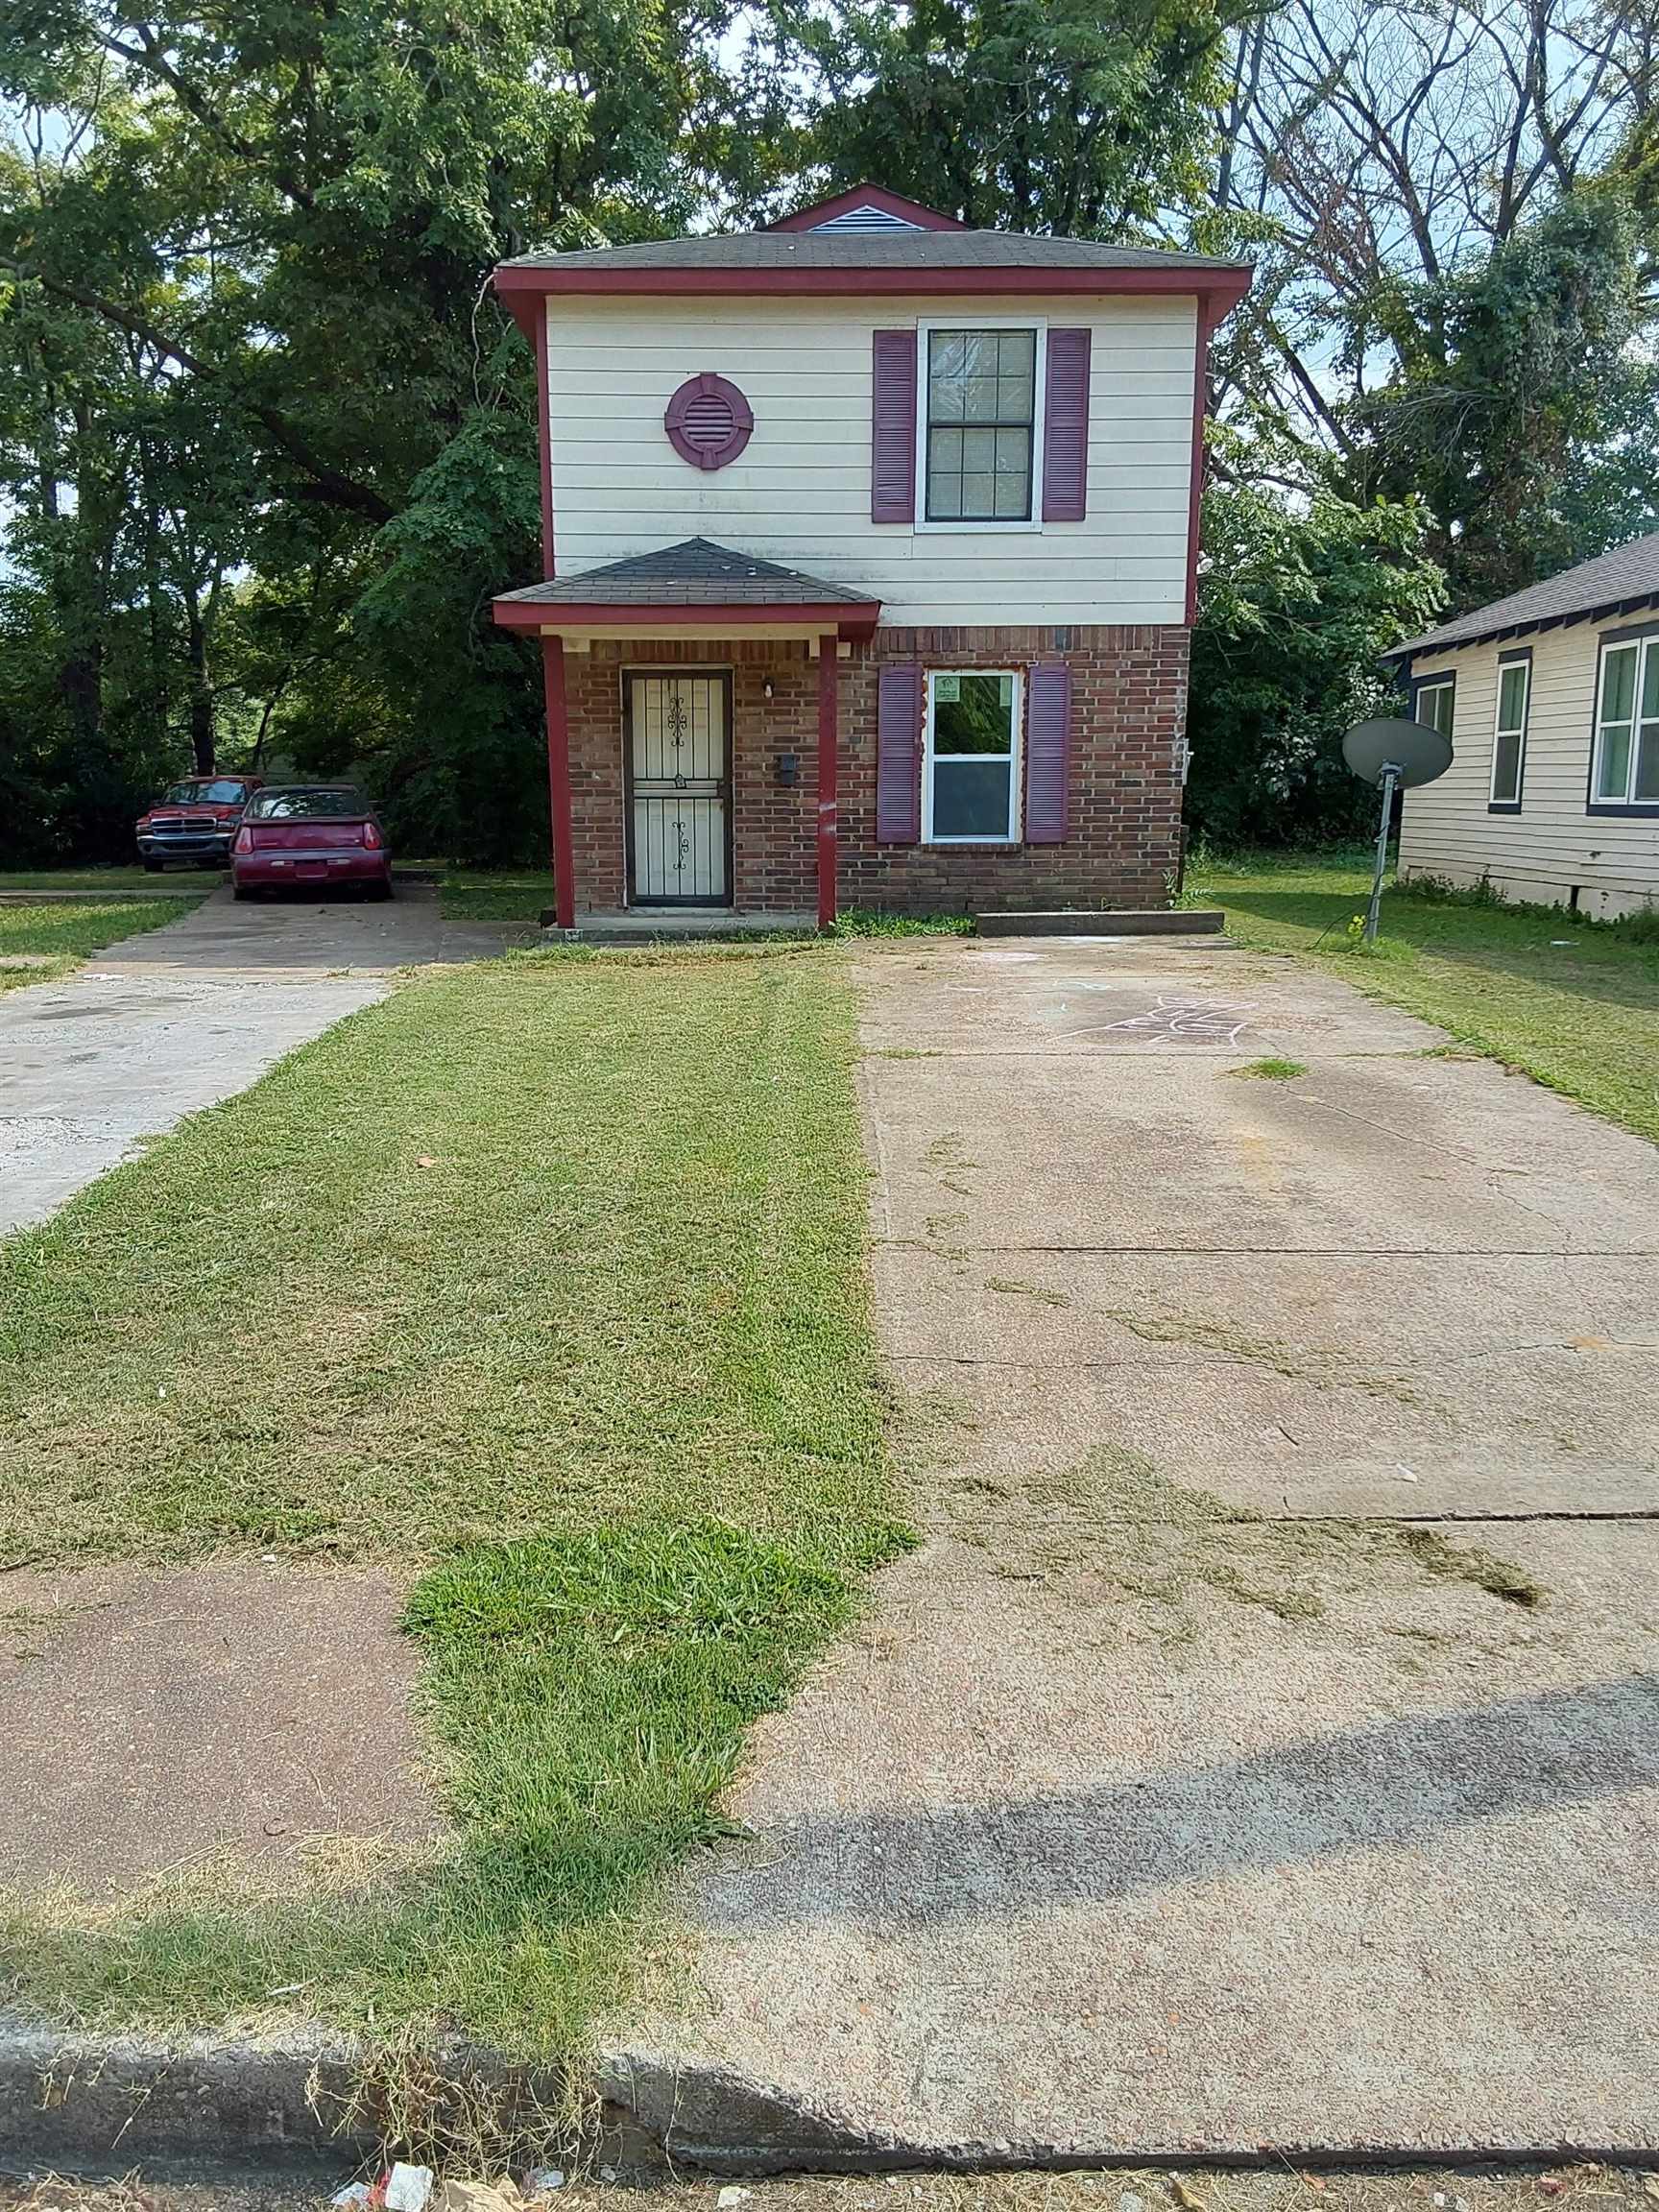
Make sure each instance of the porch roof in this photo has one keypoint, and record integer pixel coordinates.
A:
(694, 583)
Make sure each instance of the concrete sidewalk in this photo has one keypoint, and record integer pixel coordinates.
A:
(168, 1022)
(1128, 1827)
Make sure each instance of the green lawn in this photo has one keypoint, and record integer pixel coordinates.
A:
(1573, 1004)
(545, 1281)
(64, 933)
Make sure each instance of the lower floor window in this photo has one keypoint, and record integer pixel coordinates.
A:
(970, 764)
(1627, 724)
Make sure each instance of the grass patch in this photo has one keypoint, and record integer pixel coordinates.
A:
(860, 922)
(547, 1278)
(589, 1695)
(506, 896)
(1271, 1071)
(43, 944)
(1574, 1004)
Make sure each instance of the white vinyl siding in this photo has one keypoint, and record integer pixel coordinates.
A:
(800, 494)
(1554, 844)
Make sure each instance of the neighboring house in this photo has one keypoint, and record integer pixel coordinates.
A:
(1551, 699)
(869, 545)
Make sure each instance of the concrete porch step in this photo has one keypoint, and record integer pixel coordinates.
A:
(1124, 922)
(659, 925)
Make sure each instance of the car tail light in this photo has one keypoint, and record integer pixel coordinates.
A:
(244, 842)
(371, 836)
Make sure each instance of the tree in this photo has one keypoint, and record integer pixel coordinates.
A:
(1012, 114)
(1298, 605)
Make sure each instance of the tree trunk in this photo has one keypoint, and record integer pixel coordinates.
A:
(202, 729)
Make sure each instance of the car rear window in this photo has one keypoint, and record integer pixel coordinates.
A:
(320, 806)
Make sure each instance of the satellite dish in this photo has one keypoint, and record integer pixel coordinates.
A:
(1416, 753)
(1398, 755)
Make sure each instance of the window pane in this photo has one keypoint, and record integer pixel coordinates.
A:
(1435, 708)
(1613, 778)
(1014, 499)
(1506, 768)
(1511, 696)
(1619, 685)
(978, 498)
(1017, 353)
(979, 451)
(973, 714)
(1648, 761)
(1650, 684)
(970, 798)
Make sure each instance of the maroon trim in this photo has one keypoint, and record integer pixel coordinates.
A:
(893, 425)
(1222, 288)
(559, 782)
(740, 426)
(544, 440)
(867, 196)
(829, 740)
(898, 709)
(1066, 427)
(1207, 322)
(1047, 752)
(850, 618)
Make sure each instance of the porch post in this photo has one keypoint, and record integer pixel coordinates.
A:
(829, 738)
(558, 781)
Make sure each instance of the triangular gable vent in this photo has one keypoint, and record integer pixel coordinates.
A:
(868, 217)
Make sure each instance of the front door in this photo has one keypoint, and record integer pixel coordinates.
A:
(679, 746)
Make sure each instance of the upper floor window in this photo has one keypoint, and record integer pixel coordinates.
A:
(1433, 704)
(1626, 766)
(980, 445)
(1509, 730)
(971, 758)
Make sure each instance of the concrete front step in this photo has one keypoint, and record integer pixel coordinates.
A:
(1121, 921)
(659, 925)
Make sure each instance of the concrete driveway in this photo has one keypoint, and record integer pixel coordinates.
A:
(164, 1025)
(1262, 1751)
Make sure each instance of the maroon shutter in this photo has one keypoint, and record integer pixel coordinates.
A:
(893, 435)
(1066, 428)
(1047, 752)
(898, 755)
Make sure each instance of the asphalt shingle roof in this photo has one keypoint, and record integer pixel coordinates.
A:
(854, 250)
(694, 573)
(1630, 572)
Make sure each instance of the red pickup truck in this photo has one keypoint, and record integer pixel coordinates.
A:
(195, 821)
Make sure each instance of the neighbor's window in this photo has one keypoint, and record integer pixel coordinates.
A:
(970, 768)
(981, 426)
(1510, 734)
(1626, 770)
(1433, 704)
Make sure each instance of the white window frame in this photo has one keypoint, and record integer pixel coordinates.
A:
(1446, 681)
(1016, 759)
(1642, 647)
(1523, 661)
(1036, 324)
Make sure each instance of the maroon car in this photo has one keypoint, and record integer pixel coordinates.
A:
(195, 821)
(299, 836)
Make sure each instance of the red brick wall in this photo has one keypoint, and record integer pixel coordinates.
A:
(1129, 697)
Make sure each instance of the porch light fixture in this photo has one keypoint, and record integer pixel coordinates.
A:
(709, 422)
(766, 687)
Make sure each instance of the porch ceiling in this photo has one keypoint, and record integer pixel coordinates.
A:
(695, 588)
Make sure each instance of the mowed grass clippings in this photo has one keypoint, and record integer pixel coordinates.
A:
(547, 1277)
(1573, 1005)
(62, 932)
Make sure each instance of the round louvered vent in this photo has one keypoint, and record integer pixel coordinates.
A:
(709, 422)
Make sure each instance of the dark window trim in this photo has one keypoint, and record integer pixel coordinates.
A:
(927, 426)
(1617, 809)
(1519, 657)
(1422, 684)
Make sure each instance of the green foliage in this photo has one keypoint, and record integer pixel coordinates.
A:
(1522, 411)
(1295, 608)
(1013, 115)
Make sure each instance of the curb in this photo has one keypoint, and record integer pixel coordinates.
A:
(106, 2106)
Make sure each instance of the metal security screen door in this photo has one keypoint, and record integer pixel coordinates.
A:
(678, 804)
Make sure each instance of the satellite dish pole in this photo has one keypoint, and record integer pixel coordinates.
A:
(1391, 778)
(1398, 755)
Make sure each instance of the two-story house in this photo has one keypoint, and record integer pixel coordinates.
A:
(869, 548)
